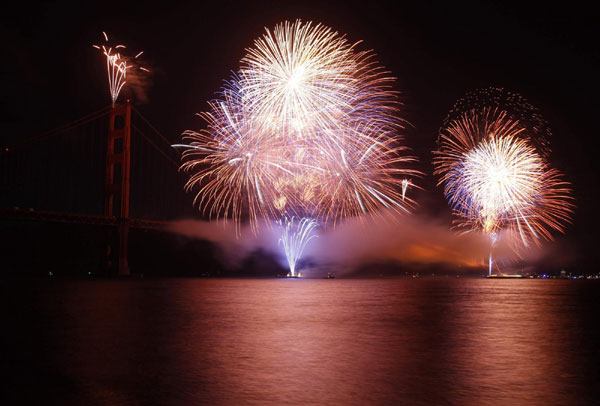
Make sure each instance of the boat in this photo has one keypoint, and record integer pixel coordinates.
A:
(296, 276)
(506, 276)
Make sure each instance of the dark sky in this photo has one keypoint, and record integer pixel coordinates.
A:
(52, 75)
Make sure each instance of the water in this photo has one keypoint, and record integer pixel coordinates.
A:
(440, 341)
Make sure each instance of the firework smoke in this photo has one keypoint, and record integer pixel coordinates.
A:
(418, 242)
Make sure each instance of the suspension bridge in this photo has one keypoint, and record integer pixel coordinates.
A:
(111, 168)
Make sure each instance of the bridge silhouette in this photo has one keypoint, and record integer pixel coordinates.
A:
(111, 168)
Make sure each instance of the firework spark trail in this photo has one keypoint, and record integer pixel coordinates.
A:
(493, 240)
(294, 239)
(117, 67)
(495, 179)
(405, 183)
(535, 129)
(307, 127)
(117, 72)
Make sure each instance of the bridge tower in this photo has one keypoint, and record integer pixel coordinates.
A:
(117, 180)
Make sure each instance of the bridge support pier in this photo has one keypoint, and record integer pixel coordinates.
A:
(123, 243)
(118, 165)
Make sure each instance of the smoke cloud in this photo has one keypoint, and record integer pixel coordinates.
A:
(139, 81)
(410, 240)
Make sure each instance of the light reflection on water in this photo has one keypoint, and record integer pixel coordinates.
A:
(299, 342)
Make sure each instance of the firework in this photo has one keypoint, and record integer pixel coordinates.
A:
(535, 129)
(294, 239)
(308, 127)
(496, 180)
(405, 183)
(117, 65)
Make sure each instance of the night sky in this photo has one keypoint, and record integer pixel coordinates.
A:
(52, 75)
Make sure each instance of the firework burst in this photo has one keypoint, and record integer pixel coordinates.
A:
(496, 180)
(117, 66)
(534, 128)
(307, 127)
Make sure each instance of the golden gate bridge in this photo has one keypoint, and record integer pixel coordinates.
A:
(111, 168)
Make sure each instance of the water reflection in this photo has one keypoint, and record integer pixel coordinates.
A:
(334, 342)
